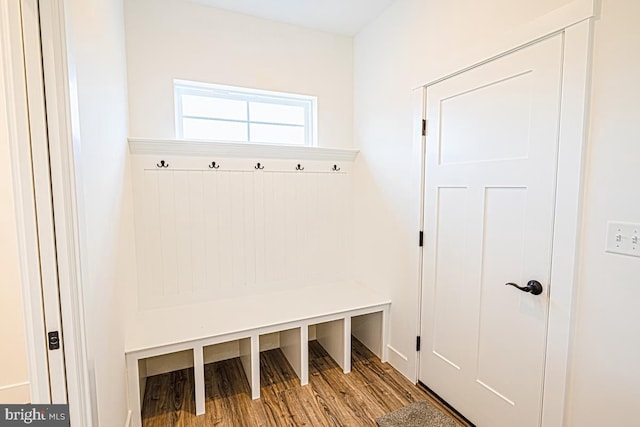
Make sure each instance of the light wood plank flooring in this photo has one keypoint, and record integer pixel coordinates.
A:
(332, 398)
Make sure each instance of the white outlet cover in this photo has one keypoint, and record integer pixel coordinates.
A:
(623, 238)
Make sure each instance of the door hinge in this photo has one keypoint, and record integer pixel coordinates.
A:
(54, 340)
(417, 343)
(421, 239)
(424, 127)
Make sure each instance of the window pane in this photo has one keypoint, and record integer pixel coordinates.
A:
(220, 108)
(276, 113)
(229, 113)
(214, 129)
(277, 134)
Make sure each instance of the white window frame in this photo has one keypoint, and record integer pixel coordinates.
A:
(309, 103)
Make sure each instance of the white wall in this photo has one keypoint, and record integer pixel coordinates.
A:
(14, 375)
(392, 56)
(96, 45)
(395, 54)
(606, 349)
(178, 39)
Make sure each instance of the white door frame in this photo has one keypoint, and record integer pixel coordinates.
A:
(574, 21)
(62, 119)
(19, 48)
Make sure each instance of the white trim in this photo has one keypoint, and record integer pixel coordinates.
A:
(419, 153)
(400, 355)
(15, 393)
(59, 98)
(144, 146)
(244, 91)
(568, 217)
(553, 22)
(569, 191)
(13, 73)
(16, 385)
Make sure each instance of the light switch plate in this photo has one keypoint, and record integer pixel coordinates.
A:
(623, 238)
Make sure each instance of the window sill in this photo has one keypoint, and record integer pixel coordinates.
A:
(146, 146)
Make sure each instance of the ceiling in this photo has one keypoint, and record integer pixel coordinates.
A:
(345, 17)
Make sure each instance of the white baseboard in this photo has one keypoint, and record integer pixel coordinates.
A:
(402, 363)
(18, 393)
(402, 356)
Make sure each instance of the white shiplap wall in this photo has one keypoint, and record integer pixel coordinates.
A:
(204, 233)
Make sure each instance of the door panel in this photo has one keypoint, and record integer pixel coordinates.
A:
(468, 112)
(502, 254)
(489, 203)
(450, 336)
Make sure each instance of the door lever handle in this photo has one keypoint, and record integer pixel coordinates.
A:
(533, 287)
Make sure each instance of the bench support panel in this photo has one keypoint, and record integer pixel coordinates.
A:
(255, 367)
(304, 355)
(198, 370)
(137, 381)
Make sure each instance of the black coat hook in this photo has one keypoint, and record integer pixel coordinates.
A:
(335, 168)
(162, 164)
(213, 165)
(299, 168)
(259, 167)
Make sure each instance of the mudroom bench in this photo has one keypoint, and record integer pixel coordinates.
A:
(333, 313)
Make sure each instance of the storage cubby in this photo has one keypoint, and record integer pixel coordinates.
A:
(291, 346)
(219, 352)
(290, 343)
(368, 329)
(164, 364)
(332, 336)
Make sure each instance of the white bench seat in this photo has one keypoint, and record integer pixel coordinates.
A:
(291, 312)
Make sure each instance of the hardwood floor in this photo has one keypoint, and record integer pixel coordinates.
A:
(332, 398)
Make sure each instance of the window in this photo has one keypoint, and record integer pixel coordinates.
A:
(226, 113)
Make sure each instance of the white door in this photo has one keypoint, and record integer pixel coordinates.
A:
(22, 74)
(490, 182)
